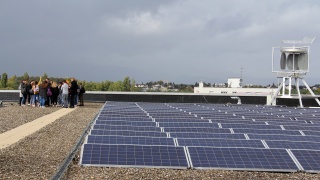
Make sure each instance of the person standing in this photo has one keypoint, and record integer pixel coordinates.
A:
(60, 100)
(36, 93)
(29, 94)
(48, 98)
(55, 94)
(23, 89)
(43, 93)
(81, 92)
(65, 93)
(73, 92)
(20, 94)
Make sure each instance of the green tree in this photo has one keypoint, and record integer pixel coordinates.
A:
(4, 80)
(44, 76)
(105, 85)
(126, 84)
(160, 82)
(187, 89)
(13, 82)
(89, 86)
(133, 87)
(26, 76)
(116, 86)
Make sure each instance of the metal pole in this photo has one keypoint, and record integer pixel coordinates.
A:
(284, 85)
(276, 94)
(311, 92)
(298, 89)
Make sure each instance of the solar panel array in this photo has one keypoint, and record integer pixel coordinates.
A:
(204, 136)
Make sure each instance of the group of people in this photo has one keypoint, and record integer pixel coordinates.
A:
(49, 93)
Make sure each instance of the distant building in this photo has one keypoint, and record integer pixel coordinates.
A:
(235, 90)
(234, 82)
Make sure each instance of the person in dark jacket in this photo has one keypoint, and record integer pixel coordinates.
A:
(55, 93)
(29, 87)
(48, 98)
(24, 92)
(43, 88)
(73, 91)
(81, 92)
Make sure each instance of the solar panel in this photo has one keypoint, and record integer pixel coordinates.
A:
(206, 135)
(92, 139)
(187, 124)
(219, 142)
(127, 123)
(124, 118)
(266, 131)
(125, 128)
(309, 159)
(284, 137)
(311, 133)
(300, 127)
(128, 133)
(250, 126)
(241, 158)
(209, 136)
(180, 120)
(134, 156)
(196, 129)
(293, 145)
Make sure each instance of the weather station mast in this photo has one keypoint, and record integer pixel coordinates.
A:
(293, 59)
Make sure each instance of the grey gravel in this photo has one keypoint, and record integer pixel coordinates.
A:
(39, 155)
(12, 115)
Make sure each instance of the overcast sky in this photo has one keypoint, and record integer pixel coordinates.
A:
(181, 41)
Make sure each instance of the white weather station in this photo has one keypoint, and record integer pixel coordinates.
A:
(294, 62)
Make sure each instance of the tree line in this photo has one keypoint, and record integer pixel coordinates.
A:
(128, 84)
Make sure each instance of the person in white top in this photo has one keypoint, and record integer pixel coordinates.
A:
(65, 94)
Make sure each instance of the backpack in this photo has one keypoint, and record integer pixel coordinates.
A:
(23, 88)
(31, 92)
(49, 93)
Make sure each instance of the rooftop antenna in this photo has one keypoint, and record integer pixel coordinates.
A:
(294, 64)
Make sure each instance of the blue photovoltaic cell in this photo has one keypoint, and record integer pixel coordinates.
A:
(125, 128)
(132, 114)
(207, 135)
(226, 121)
(195, 129)
(284, 137)
(171, 120)
(312, 133)
(124, 115)
(185, 124)
(241, 158)
(134, 155)
(220, 143)
(299, 127)
(266, 131)
(124, 119)
(293, 145)
(128, 133)
(130, 140)
(250, 126)
(309, 159)
(126, 123)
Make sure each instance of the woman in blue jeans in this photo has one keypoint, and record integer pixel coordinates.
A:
(43, 93)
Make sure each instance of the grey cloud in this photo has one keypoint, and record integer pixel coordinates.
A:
(181, 40)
